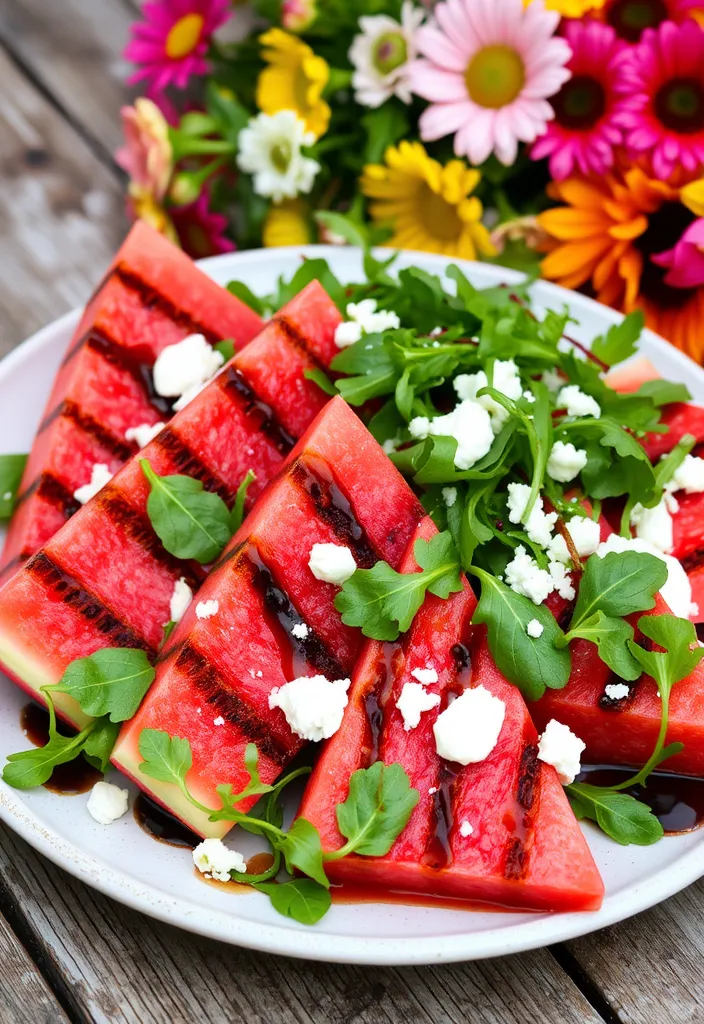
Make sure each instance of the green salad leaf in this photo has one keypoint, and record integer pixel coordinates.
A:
(11, 470)
(191, 523)
(111, 682)
(622, 817)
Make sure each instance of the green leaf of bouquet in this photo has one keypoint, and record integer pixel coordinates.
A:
(111, 681)
(191, 522)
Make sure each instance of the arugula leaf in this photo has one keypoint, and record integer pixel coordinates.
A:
(31, 768)
(111, 681)
(166, 758)
(322, 380)
(245, 294)
(531, 664)
(618, 584)
(191, 522)
(379, 804)
(620, 816)
(303, 900)
(99, 743)
(621, 340)
(663, 392)
(680, 657)
(255, 786)
(611, 636)
(301, 849)
(11, 470)
(312, 270)
(226, 349)
(384, 602)
(237, 513)
(667, 467)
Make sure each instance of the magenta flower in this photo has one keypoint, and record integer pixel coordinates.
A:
(685, 261)
(487, 68)
(583, 135)
(200, 230)
(664, 113)
(171, 43)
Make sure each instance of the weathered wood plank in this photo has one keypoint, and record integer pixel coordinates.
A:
(61, 211)
(73, 49)
(113, 965)
(24, 995)
(650, 968)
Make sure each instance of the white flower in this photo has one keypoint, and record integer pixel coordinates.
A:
(270, 149)
(381, 55)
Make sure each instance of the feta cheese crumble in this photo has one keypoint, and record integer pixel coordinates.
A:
(100, 476)
(540, 523)
(332, 563)
(449, 496)
(524, 576)
(364, 318)
(470, 425)
(313, 705)
(689, 477)
(505, 379)
(534, 629)
(180, 600)
(654, 525)
(107, 802)
(425, 676)
(565, 461)
(300, 630)
(206, 609)
(466, 829)
(184, 368)
(585, 534)
(468, 729)
(144, 433)
(219, 720)
(413, 701)
(677, 592)
(552, 380)
(214, 860)
(560, 747)
(617, 691)
(577, 403)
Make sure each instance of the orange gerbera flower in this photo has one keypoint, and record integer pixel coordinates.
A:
(603, 239)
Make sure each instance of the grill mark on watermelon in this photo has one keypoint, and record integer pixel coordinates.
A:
(188, 463)
(306, 651)
(13, 564)
(299, 341)
(388, 666)
(314, 476)
(153, 299)
(528, 779)
(692, 560)
(52, 490)
(438, 850)
(87, 604)
(216, 692)
(236, 387)
(106, 439)
(141, 369)
(138, 528)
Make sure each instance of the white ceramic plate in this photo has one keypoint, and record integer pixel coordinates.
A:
(125, 863)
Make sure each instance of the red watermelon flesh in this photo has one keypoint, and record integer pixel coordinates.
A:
(152, 296)
(525, 850)
(104, 578)
(227, 665)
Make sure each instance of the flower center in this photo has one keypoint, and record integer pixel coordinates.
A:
(679, 104)
(438, 217)
(389, 52)
(184, 36)
(580, 103)
(495, 76)
(281, 154)
(630, 17)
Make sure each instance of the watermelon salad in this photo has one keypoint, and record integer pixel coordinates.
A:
(404, 540)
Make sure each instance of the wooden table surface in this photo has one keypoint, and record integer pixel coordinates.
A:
(66, 952)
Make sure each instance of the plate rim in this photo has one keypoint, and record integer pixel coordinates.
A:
(308, 943)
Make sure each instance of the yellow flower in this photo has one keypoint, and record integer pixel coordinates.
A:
(294, 80)
(287, 223)
(429, 207)
(144, 206)
(692, 196)
(571, 8)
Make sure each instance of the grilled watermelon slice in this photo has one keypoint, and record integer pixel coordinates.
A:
(152, 296)
(525, 849)
(338, 487)
(104, 579)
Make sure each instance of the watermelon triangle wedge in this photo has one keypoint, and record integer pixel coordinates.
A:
(152, 296)
(214, 679)
(104, 580)
(499, 831)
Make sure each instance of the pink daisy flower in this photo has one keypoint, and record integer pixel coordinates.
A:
(630, 18)
(171, 43)
(583, 135)
(664, 113)
(200, 230)
(685, 261)
(487, 68)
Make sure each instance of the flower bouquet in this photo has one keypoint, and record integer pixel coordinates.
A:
(561, 137)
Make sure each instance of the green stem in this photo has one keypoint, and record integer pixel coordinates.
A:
(201, 147)
(652, 761)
